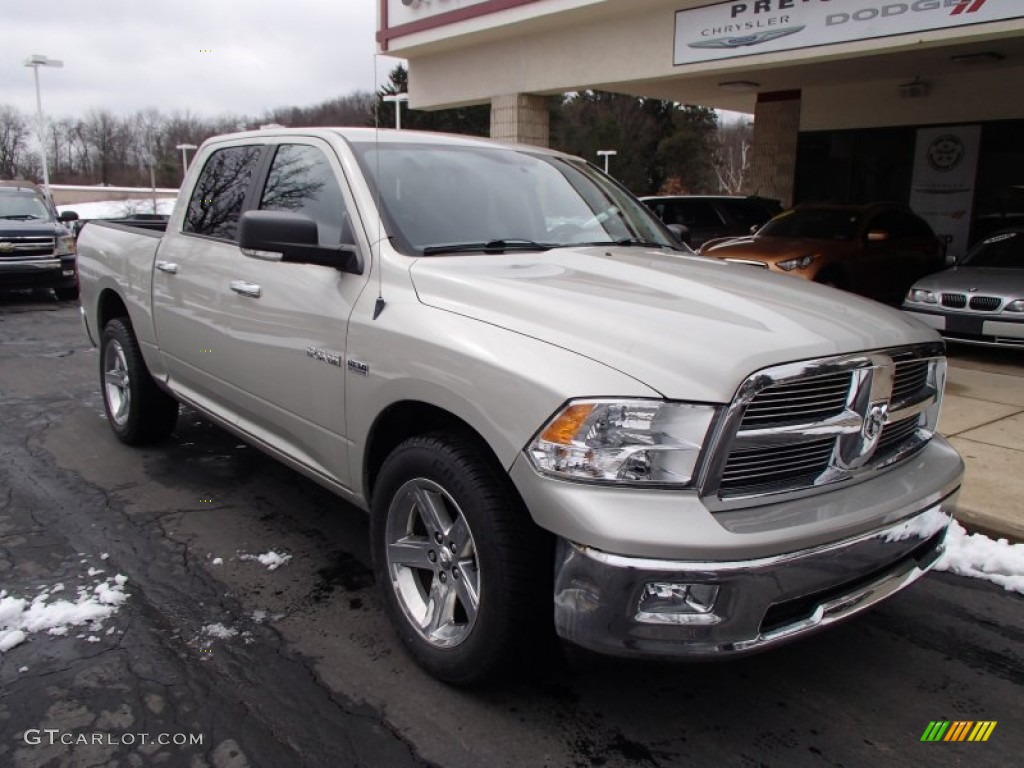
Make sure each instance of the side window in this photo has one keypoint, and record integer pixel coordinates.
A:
(699, 214)
(217, 199)
(301, 180)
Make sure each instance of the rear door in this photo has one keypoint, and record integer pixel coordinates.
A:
(195, 263)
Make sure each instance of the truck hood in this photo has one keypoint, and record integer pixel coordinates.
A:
(689, 327)
(15, 228)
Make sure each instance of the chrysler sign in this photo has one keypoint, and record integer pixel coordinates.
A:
(745, 27)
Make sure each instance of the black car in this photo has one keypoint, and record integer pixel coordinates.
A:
(707, 217)
(37, 250)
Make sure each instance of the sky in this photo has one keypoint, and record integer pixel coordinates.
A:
(207, 57)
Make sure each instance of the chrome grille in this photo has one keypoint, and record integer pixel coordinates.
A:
(814, 398)
(20, 247)
(954, 300)
(801, 427)
(985, 303)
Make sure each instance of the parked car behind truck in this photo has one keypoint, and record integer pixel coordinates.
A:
(37, 250)
(551, 412)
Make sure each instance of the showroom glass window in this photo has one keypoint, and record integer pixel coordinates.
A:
(216, 203)
(301, 180)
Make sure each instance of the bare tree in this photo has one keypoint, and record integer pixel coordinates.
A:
(106, 135)
(13, 135)
(733, 161)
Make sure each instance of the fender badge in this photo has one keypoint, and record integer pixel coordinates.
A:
(357, 367)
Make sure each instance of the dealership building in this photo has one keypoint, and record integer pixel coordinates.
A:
(917, 101)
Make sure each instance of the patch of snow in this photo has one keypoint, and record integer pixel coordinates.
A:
(104, 556)
(23, 669)
(11, 638)
(273, 560)
(980, 557)
(92, 639)
(259, 616)
(115, 209)
(20, 617)
(94, 571)
(217, 561)
(219, 631)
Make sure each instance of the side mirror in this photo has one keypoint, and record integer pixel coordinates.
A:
(877, 236)
(66, 216)
(291, 237)
(681, 232)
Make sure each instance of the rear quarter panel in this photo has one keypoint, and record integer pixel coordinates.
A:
(119, 259)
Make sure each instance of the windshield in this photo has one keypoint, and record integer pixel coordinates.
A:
(814, 224)
(1005, 250)
(23, 205)
(438, 199)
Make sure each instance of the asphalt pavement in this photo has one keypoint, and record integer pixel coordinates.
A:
(304, 669)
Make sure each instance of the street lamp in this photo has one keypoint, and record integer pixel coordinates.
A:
(397, 99)
(184, 158)
(36, 61)
(606, 153)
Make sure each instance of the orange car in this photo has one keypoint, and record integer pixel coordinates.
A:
(875, 250)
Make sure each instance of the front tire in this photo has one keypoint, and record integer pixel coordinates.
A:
(138, 411)
(460, 565)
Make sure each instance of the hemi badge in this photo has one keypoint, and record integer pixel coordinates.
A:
(356, 367)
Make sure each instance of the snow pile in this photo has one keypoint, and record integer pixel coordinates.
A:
(271, 559)
(20, 617)
(980, 557)
(218, 631)
(116, 209)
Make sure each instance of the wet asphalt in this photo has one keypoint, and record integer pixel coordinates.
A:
(307, 671)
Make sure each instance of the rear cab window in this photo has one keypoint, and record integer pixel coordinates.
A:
(219, 195)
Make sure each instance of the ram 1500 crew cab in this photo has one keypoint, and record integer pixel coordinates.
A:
(547, 405)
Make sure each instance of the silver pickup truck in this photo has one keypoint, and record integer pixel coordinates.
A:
(552, 411)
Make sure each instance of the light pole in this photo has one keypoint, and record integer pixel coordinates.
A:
(184, 158)
(397, 99)
(36, 61)
(606, 153)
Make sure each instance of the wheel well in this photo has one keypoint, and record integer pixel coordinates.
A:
(406, 419)
(110, 306)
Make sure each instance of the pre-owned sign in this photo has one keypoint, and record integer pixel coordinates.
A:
(747, 27)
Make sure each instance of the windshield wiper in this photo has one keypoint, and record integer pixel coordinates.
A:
(491, 246)
(631, 241)
(22, 216)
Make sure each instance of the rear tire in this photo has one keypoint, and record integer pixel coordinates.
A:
(460, 565)
(138, 411)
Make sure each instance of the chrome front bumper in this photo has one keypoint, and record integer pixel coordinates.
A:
(759, 602)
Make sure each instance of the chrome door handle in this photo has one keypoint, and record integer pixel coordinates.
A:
(167, 266)
(246, 289)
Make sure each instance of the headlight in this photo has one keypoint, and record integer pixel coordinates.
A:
(920, 296)
(802, 263)
(65, 245)
(626, 442)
